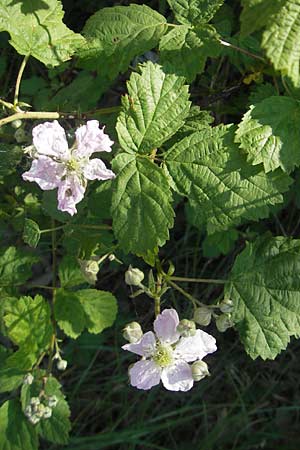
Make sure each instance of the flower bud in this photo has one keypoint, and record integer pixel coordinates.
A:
(186, 327)
(90, 269)
(20, 135)
(62, 364)
(47, 412)
(28, 379)
(16, 124)
(133, 276)
(199, 370)
(133, 332)
(34, 419)
(28, 411)
(226, 305)
(224, 322)
(52, 401)
(202, 315)
(34, 401)
(111, 257)
(40, 410)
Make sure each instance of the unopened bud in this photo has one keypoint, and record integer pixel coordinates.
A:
(40, 410)
(224, 322)
(133, 332)
(62, 364)
(35, 401)
(133, 276)
(226, 305)
(34, 419)
(16, 124)
(199, 370)
(202, 315)
(28, 411)
(52, 401)
(90, 269)
(47, 412)
(186, 327)
(28, 379)
(20, 135)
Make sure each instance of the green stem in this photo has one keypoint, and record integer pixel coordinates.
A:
(184, 293)
(76, 225)
(157, 306)
(198, 280)
(242, 50)
(30, 115)
(19, 78)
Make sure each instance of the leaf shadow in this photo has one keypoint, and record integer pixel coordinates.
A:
(30, 7)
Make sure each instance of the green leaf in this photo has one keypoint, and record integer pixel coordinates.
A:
(281, 40)
(257, 14)
(28, 320)
(153, 111)
(219, 243)
(265, 287)
(15, 430)
(141, 208)
(31, 233)
(36, 28)
(193, 12)
(69, 313)
(185, 50)
(10, 377)
(69, 273)
(116, 35)
(222, 188)
(269, 133)
(86, 308)
(10, 156)
(15, 266)
(100, 308)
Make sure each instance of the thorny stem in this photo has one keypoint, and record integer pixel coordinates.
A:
(19, 78)
(242, 50)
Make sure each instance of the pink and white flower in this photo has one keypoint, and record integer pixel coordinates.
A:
(166, 354)
(57, 166)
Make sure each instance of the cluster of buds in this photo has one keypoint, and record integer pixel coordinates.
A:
(40, 409)
(204, 314)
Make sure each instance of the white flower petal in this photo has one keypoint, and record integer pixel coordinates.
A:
(90, 139)
(144, 347)
(49, 138)
(165, 326)
(95, 169)
(45, 172)
(70, 192)
(177, 377)
(144, 374)
(195, 347)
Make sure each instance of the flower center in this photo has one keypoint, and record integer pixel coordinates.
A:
(163, 355)
(73, 165)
